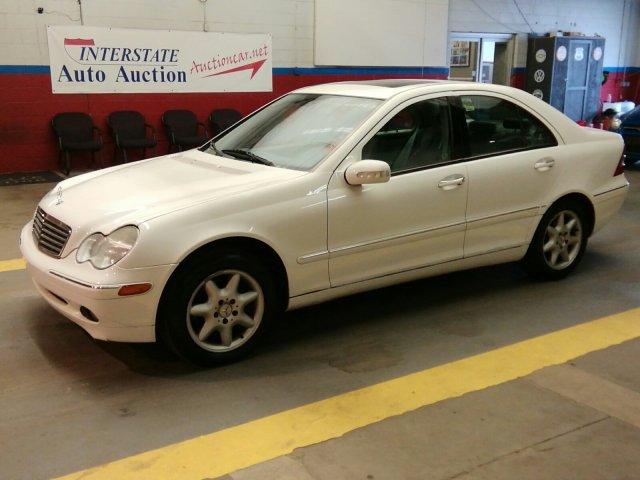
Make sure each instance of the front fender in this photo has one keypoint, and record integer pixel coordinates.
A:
(291, 219)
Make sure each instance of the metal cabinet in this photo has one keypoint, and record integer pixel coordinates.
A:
(566, 72)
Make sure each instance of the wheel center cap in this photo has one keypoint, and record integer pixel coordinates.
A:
(225, 310)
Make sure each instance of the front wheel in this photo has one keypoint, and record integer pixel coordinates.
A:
(559, 241)
(215, 308)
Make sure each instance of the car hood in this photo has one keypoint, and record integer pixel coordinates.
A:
(136, 192)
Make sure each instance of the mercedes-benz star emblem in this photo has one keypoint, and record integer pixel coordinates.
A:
(59, 196)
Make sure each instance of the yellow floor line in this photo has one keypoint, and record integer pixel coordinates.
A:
(225, 451)
(15, 264)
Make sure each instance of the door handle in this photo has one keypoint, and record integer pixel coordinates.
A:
(544, 164)
(450, 182)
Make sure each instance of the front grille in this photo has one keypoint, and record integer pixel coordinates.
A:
(50, 234)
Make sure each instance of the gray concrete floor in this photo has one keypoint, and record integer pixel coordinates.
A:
(69, 402)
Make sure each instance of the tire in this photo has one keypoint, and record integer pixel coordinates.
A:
(216, 307)
(554, 256)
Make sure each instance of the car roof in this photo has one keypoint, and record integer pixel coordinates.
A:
(406, 88)
(387, 88)
(381, 89)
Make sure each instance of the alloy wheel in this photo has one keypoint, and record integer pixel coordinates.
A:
(562, 240)
(225, 310)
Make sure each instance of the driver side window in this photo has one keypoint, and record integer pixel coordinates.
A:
(416, 137)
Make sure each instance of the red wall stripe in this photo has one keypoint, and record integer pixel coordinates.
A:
(27, 105)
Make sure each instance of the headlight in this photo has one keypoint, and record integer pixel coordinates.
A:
(615, 123)
(105, 250)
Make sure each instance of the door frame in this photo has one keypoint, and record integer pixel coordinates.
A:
(519, 219)
(399, 238)
(509, 38)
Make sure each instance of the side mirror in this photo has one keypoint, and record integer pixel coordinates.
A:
(367, 171)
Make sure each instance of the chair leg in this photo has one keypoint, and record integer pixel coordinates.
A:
(124, 154)
(115, 153)
(101, 160)
(67, 163)
(60, 155)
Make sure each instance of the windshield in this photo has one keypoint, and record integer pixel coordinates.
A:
(296, 131)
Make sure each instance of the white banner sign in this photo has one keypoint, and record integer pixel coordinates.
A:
(106, 60)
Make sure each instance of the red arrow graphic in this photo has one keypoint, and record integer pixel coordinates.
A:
(255, 66)
(79, 41)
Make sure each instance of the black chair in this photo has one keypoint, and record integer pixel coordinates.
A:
(129, 130)
(223, 118)
(76, 132)
(182, 129)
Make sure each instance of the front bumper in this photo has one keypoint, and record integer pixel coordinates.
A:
(68, 286)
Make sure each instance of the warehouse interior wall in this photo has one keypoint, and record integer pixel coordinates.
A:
(381, 32)
(466, 72)
(616, 20)
(27, 103)
(501, 61)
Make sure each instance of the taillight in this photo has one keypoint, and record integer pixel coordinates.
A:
(620, 166)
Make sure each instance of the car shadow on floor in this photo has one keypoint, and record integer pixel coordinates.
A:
(318, 329)
(371, 308)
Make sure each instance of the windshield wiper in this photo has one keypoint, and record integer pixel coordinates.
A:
(248, 155)
(211, 145)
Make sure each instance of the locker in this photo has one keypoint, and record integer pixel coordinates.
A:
(566, 72)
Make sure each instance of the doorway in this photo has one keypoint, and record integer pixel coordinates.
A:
(484, 58)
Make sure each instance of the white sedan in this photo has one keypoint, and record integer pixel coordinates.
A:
(326, 191)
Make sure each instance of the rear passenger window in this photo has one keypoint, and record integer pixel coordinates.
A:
(498, 126)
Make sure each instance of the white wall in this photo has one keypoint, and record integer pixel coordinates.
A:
(291, 22)
(381, 32)
(616, 20)
(23, 37)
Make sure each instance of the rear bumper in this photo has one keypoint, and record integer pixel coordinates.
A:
(631, 146)
(607, 204)
(68, 286)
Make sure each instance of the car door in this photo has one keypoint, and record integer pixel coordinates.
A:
(512, 161)
(414, 220)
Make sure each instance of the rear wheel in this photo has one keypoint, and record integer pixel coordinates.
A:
(215, 308)
(559, 241)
